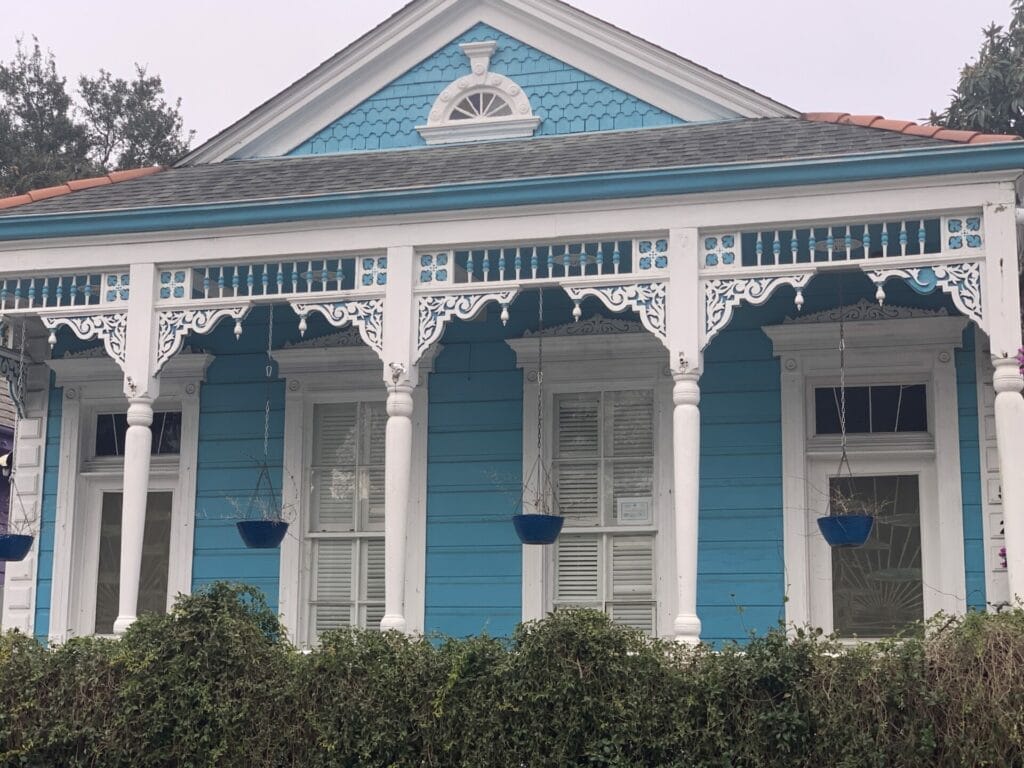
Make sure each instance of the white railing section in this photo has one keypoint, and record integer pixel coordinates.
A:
(809, 245)
(284, 278)
(542, 261)
(58, 291)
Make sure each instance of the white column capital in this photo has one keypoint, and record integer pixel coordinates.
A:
(1007, 376)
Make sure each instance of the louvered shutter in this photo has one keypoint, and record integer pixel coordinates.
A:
(577, 476)
(374, 426)
(632, 581)
(372, 577)
(333, 588)
(629, 437)
(334, 477)
(578, 571)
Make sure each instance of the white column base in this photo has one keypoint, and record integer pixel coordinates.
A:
(687, 629)
(393, 622)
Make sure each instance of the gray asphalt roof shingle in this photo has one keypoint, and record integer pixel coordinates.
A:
(680, 146)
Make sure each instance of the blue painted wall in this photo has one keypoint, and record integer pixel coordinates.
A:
(231, 414)
(970, 471)
(48, 511)
(566, 99)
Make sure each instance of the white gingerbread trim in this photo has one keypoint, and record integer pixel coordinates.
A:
(111, 328)
(365, 314)
(442, 128)
(961, 281)
(433, 312)
(722, 296)
(174, 325)
(646, 299)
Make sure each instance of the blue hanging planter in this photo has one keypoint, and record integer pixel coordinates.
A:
(15, 546)
(538, 529)
(262, 534)
(842, 531)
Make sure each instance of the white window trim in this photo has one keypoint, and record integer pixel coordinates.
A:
(912, 350)
(337, 375)
(93, 386)
(601, 362)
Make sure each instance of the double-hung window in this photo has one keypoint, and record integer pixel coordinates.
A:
(603, 476)
(346, 520)
(609, 447)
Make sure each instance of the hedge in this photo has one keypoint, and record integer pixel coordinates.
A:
(215, 683)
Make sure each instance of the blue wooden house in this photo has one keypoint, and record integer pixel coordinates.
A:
(501, 257)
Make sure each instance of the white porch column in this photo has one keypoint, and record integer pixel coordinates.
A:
(400, 378)
(1009, 412)
(686, 476)
(141, 387)
(137, 448)
(397, 482)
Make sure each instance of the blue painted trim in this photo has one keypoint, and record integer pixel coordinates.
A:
(557, 189)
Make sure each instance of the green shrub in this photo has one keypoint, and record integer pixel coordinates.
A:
(215, 683)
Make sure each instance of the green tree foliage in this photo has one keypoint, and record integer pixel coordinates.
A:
(990, 94)
(47, 138)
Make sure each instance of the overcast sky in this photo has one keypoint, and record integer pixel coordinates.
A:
(897, 58)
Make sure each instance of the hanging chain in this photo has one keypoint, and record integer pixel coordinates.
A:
(270, 374)
(542, 491)
(843, 458)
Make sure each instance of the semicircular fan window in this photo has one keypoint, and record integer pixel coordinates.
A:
(480, 106)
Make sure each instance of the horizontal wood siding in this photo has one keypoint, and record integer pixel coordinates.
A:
(970, 471)
(48, 511)
(740, 585)
(474, 474)
(231, 410)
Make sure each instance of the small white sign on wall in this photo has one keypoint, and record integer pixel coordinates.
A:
(633, 510)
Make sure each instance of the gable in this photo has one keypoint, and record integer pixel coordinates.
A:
(566, 99)
(609, 62)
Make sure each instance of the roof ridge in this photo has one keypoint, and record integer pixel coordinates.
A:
(114, 177)
(909, 127)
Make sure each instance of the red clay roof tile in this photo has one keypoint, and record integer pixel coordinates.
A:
(909, 127)
(63, 189)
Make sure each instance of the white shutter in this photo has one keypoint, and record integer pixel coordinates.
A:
(629, 419)
(578, 489)
(333, 588)
(374, 427)
(578, 425)
(372, 578)
(632, 593)
(334, 478)
(577, 571)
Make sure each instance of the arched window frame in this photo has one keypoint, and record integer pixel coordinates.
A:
(442, 128)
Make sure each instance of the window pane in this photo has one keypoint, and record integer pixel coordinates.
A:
(629, 489)
(577, 567)
(630, 422)
(577, 423)
(155, 559)
(111, 429)
(899, 409)
(578, 490)
(877, 588)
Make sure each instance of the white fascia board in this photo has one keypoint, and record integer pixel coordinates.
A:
(571, 221)
(641, 69)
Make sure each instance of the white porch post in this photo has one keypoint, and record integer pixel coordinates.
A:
(686, 477)
(141, 388)
(1009, 412)
(1003, 316)
(400, 377)
(684, 316)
